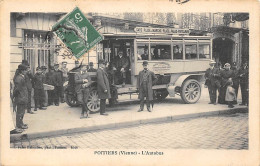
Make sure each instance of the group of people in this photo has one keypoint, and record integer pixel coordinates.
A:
(227, 81)
(24, 81)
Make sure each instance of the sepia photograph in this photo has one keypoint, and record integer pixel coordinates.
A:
(130, 84)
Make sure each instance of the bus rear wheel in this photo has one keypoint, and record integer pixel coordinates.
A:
(190, 91)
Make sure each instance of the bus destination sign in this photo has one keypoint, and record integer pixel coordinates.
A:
(162, 30)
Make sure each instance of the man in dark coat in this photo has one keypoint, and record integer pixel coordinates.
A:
(58, 89)
(103, 87)
(38, 89)
(76, 68)
(212, 81)
(225, 75)
(235, 79)
(51, 80)
(82, 79)
(146, 79)
(21, 95)
(243, 75)
(45, 99)
(121, 66)
(28, 79)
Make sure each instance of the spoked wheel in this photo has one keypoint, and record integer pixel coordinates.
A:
(71, 100)
(190, 91)
(93, 103)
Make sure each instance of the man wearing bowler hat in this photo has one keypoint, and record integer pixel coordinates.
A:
(20, 95)
(58, 89)
(103, 87)
(82, 78)
(146, 79)
(212, 77)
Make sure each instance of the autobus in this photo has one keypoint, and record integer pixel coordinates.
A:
(178, 61)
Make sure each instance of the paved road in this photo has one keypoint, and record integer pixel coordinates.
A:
(218, 132)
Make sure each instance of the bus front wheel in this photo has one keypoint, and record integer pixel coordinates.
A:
(190, 91)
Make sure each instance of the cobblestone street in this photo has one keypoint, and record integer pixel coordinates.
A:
(215, 132)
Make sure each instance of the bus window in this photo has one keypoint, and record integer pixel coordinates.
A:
(177, 51)
(142, 51)
(190, 51)
(204, 51)
(160, 51)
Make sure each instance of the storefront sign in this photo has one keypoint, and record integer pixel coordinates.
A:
(162, 30)
(161, 67)
(76, 32)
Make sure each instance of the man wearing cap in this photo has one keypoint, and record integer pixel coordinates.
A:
(146, 79)
(64, 70)
(121, 66)
(212, 81)
(51, 80)
(235, 79)
(76, 68)
(243, 76)
(45, 97)
(58, 89)
(21, 95)
(103, 87)
(38, 89)
(82, 79)
(225, 75)
(91, 67)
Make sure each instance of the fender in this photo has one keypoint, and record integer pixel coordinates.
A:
(199, 77)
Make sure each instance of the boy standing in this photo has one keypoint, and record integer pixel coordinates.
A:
(38, 89)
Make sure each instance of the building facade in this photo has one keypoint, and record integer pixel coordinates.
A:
(32, 41)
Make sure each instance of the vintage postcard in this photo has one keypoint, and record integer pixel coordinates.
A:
(167, 82)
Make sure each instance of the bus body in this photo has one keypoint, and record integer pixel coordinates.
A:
(179, 63)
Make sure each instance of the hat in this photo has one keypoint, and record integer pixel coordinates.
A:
(212, 62)
(43, 67)
(56, 64)
(25, 62)
(227, 65)
(91, 64)
(64, 62)
(101, 61)
(120, 52)
(38, 68)
(76, 62)
(145, 63)
(51, 68)
(22, 67)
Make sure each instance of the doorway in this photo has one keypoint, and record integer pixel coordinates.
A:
(223, 50)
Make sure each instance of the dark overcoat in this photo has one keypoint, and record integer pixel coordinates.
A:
(151, 81)
(38, 80)
(50, 78)
(212, 77)
(103, 84)
(79, 80)
(225, 76)
(59, 78)
(20, 90)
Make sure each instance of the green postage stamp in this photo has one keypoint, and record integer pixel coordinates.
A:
(77, 33)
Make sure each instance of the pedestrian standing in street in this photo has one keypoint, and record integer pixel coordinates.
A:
(21, 96)
(230, 94)
(235, 79)
(38, 89)
(225, 75)
(212, 81)
(103, 87)
(45, 97)
(243, 75)
(82, 80)
(91, 67)
(146, 79)
(58, 89)
(51, 80)
(64, 70)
